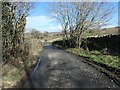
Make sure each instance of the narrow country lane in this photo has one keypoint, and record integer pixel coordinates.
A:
(59, 69)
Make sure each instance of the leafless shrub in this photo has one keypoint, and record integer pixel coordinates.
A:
(77, 17)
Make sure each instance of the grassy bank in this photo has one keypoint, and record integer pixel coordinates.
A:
(12, 74)
(112, 61)
(109, 60)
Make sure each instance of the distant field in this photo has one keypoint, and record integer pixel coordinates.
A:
(46, 37)
(106, 31)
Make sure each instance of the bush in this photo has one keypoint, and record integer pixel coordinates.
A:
(19, 66)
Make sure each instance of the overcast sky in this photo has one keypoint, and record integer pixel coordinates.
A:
(41, 20)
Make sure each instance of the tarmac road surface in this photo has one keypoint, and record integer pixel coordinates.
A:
(59, 69)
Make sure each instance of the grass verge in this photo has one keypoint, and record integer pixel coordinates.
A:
(109, 60)
(11, 74)
(112, 61)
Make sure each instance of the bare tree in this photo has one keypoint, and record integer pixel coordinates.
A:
(77, 17)
(13, 23)
(36, 34)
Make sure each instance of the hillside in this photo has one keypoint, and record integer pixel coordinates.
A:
(102, 32)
